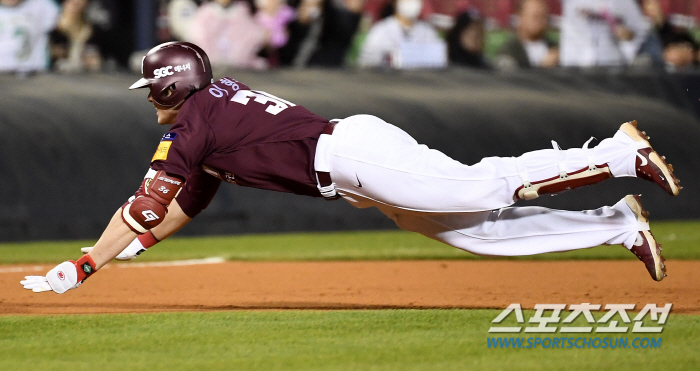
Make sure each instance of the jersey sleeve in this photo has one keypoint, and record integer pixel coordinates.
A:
(185, 145)
(198, 192)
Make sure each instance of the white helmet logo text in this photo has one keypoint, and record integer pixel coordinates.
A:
(163, 72)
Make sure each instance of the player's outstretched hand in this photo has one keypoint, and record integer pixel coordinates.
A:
(60, 279)
(36, 283)
(134, 249)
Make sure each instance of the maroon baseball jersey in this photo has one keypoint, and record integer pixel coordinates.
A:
(251, 138)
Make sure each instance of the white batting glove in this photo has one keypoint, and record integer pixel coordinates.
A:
(60, 279)
(134, 249)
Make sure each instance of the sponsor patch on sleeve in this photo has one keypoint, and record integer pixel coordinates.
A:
(169, 136)
(162, 151)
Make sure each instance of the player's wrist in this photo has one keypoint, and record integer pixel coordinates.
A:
(63, 277)
(140, 244)
(85, 267)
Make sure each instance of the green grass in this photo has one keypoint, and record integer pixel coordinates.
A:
(681, 240)
(310, 340)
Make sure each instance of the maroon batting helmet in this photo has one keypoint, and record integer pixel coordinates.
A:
(173, 71)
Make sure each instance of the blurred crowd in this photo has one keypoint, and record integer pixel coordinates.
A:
(96, 35)
(71, 36)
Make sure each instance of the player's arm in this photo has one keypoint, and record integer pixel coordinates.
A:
(115, 237)
(194, 197)
(143, 212)
(71, 274)
(178, 153)
(173, 222)
(146, 210)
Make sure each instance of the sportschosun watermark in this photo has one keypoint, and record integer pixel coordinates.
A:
(548, 319)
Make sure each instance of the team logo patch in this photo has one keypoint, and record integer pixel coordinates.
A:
(149, 216)
(162, 151)
(61, 275)
(169, 136)
(87, 268)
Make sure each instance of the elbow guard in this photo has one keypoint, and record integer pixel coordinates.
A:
(149, 206)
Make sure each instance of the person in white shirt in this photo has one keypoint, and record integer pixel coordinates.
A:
(601, 32)
(387, 37)
(24, 34)
(180, 16)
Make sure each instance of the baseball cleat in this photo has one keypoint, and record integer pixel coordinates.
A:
(650, 165)
(645, 247)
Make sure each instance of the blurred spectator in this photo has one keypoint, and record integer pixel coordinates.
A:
(180, 16)
(323, 33)
(112, 31)
(680, 51)
(72, 42)
(670, 43)
(466, 42)
(530, 46)
(304, 33)
(654, 12)
(380, 9)
(341, 21)
(658, 25)
(273, 16)
(402, 40)
(227, 31)
(24, 29)
(601, 32)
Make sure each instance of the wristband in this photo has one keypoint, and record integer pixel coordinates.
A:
(148, 239)
(85, 267)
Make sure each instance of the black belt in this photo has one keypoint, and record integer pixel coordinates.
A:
(324, 178)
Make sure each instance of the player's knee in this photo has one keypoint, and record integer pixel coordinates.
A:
(143, 214)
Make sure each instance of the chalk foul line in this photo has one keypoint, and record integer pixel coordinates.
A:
(174, 263)
(36, 268)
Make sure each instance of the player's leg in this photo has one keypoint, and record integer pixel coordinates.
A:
(627, 154)
(528, 230)
(379, 161)
(515, 231)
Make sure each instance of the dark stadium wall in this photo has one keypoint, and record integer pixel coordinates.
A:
(74, 148)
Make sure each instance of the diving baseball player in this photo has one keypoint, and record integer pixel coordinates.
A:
(223, 131)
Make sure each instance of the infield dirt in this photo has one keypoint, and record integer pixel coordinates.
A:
(353, 285)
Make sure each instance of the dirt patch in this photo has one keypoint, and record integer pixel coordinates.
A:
(352, 285)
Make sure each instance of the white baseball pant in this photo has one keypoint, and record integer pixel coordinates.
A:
(373, 163)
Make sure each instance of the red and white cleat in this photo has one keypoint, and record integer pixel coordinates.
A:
(645, 247)
(650, 165)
